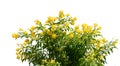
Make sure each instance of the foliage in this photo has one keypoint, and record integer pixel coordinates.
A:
(59, 42)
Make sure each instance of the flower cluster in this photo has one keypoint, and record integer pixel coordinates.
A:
(58, 42)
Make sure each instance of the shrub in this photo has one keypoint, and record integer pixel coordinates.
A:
(58, 42)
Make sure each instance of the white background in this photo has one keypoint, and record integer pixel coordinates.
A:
(22, 13)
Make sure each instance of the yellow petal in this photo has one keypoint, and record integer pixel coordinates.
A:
(54, 36)
(61, 14)
(15, 35)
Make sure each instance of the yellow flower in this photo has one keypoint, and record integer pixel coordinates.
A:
(74, 19)
(78, 30)
(53, 26)
(32, 28)
(17, 52)
(104, 40)
(52, 61)
(95, 24)
(18, 57)
(61, 14)
(33, 34)
(90, 28)
(20, 29)
(54, 18)
(37, 22)
(76, 27)
(67, 24)
(72, 23)
(15, 35)
(54, 36)
(26, 40)
(67, 14)
(86, 30)
(71, 35)
(99, 28)
(25, 32)
(50, 19)
(17, 49)
(25, 43)
(48, 32)
(84, 26)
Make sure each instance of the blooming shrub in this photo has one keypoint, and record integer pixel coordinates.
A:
(58, 42)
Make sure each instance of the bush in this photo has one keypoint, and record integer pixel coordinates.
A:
(58, 42)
